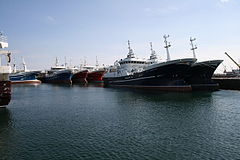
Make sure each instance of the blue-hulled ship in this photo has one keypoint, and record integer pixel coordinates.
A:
(24, 76)
(58, 74)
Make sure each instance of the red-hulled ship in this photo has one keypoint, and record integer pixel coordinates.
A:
(96, 75)
(80, 77)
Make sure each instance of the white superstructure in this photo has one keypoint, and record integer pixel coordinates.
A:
(5, 69)
(126, 66)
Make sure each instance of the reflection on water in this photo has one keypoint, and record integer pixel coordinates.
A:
(5, 127)
(5, 119)
(100, 84)
(92, 122)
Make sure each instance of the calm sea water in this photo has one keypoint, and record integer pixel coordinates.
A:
(52, 122)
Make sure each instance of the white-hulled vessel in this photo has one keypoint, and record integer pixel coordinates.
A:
(149, 74)
(5, 70)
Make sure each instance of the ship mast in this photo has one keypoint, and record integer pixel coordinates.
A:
(56, 62)
(130, 51)
(24, 65)
(153, 53)
(167, 45)
(65, 64)
(97, 62)
(193, 47)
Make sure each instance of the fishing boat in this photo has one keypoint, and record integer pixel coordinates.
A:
(149, 74)
(58, 74)
(24, 76)
(95, 73)
(200, 74)
(80, 76)
(5, 70)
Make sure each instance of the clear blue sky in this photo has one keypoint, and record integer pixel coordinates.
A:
(40, 30)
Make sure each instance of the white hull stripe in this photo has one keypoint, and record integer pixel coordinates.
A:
(26, 81)
(139, 86)
(135, 79)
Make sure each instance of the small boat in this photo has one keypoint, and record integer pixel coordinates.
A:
(24, 76)
(5, 70)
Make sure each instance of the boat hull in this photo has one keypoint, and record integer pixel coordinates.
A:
(95, 76)
(26, 81)
(80, 77)
(59, 77)
(5, 93)
(200, 75)
(24, 77)
(167, 76)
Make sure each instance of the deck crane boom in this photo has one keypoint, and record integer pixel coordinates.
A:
(233, 60)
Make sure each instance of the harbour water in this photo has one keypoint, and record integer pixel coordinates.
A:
(56, 122)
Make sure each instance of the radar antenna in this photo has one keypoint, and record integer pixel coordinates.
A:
(193, 47)
(167, 45)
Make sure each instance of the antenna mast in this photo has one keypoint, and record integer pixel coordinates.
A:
(193, 48)
(24, 65)
(97, 62)
(65, 59)
(167, 45)
(153, 53)
(56, 62)
(151, 46)
(130, 51)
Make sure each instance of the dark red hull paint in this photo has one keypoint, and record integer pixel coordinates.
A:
(95, 76)
(80, 77)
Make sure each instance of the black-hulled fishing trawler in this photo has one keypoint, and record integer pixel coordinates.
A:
(151, 74)
(200, 73)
